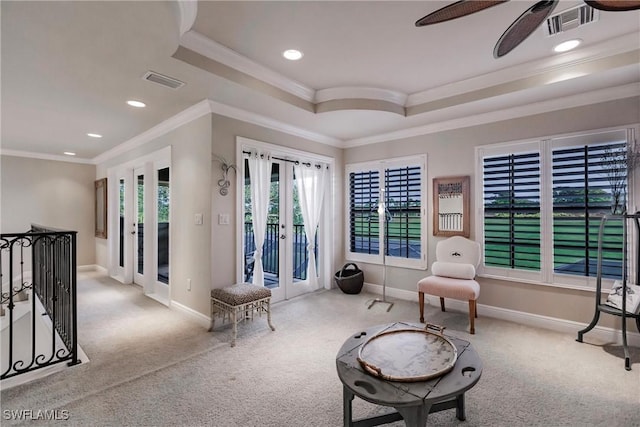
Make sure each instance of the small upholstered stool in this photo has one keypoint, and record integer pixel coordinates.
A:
(240, 298)
(453, 276)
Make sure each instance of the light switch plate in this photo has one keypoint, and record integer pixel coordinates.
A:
(199, 219)
(223, 219)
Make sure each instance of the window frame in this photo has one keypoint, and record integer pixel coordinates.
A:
(380, 166)
(547, 276)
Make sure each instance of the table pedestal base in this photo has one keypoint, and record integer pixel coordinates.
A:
(413, 416)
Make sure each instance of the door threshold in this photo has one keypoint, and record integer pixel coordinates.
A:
(160, 298)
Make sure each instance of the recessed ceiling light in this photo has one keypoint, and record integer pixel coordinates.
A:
(94, 135)
(292, 54)
(568, 45)
(69, 153)
(137, 104)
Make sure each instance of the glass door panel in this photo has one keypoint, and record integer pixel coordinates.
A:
(285, 257)
(163, 197)
(138, 242)
(121, 217)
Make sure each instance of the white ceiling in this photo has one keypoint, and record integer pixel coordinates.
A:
(367, 75)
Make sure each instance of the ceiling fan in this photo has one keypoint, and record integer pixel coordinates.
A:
(524, 25)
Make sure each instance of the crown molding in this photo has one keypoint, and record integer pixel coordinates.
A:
(188, 11)
(43, 156)
(208, 106)
(260, 120)
(547, 66)
(194, 112)
(357, 92)
(205, 46)
(594, 97)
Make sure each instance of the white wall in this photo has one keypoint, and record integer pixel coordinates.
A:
(452, 153)
(51, 193)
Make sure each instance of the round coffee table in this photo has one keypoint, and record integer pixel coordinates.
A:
(413, 401)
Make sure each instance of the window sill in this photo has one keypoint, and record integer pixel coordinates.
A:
(413, 264)
(606, 283)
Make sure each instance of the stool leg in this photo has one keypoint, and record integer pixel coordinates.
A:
(234, 319)
(442, 303)
(421, 304)
(213, 317)
(269, 315)
(472, 315)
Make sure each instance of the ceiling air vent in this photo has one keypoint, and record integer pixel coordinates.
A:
(570, 19)
(163, 80)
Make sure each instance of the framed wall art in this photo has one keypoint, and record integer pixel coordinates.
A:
(451, 206)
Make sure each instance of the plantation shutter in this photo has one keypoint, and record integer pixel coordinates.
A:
(364, 227)
(511, 186)
(403, 194)
(581, 196)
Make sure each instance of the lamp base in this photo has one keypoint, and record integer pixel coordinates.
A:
(384, 301)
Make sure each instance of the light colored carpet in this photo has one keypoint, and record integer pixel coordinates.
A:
(151, 366)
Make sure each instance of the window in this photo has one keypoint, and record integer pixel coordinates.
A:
(512, 211)
(582, 194)
(542, 206)
(386, 217)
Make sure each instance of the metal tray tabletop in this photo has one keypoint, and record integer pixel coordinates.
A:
(408, 355)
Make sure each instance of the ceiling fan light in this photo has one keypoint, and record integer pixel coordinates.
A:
(567, 45)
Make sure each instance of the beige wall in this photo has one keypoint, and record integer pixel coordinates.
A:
(190, 249)
(452, 153)
(51, 193)
(207, 254)
(224, 133)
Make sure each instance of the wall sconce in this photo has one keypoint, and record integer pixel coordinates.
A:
(224, 183)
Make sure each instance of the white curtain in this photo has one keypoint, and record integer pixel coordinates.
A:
(260, 176)
(311, 182)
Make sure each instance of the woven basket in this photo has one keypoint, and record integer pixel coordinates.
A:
(350, 280)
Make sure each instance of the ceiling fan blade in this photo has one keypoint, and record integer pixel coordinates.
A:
(614, 6)
(523, 27)
(456, 10)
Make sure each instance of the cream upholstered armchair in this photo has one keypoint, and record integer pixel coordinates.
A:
(453, 275)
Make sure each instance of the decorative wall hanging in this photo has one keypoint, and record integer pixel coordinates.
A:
(451, 206)
(224, 183)
(101, 208)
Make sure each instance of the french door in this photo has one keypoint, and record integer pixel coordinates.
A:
(139, 245)
(139, 180)
(285, 253)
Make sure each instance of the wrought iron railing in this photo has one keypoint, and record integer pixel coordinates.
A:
(51, 255)
(271, 247)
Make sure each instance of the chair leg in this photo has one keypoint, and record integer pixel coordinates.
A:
(472, 316)
(442, 304)
(475, 306)
(421, 304)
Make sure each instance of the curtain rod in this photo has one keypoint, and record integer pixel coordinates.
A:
(297, 162)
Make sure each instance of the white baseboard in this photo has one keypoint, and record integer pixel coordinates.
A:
(599, 333)
(198, 317)
(91, 267)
